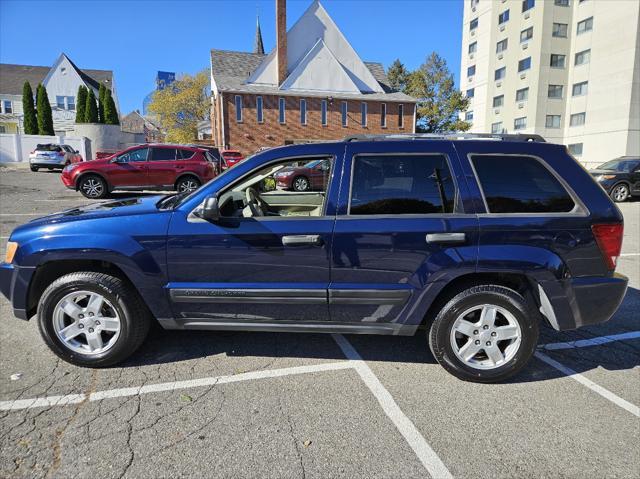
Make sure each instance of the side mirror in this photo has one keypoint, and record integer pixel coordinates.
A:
(210, 210)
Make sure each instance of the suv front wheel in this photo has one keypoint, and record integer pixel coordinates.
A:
(484, 334)
(93, 186)
(92, 319)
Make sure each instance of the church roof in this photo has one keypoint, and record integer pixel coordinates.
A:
(320, 62)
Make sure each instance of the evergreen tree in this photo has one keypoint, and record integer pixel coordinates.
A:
(440, 103)
(45, 118)
(397, 75)
(110, 111)
(101, 103)
(81, 101)
(91, 108)
(30, 124)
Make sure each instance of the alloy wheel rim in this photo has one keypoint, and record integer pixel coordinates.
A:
(86, 322)
(620, 192)
(485, 337)
(301, 184)
(92, 187)
(188, 185)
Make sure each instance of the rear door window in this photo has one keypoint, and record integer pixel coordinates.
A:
(520, 184)
(185, 154)
(401, 184)
(163, 154)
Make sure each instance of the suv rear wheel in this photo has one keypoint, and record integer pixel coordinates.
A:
(484, 334)
(92, 319)
(93, 186)
(187, 184)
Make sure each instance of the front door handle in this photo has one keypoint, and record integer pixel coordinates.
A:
(301, 240)
(446, 238)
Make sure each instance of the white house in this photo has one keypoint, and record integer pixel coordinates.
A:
(61, 81)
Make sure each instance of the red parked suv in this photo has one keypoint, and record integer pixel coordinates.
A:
(231, 157)
(161, 167)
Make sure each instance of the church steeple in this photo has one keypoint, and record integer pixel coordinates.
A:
(258, 47)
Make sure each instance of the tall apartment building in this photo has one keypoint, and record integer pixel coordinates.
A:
(568, 70)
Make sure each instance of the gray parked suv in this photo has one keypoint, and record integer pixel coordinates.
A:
(52, 156)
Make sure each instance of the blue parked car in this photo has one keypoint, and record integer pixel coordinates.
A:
(478, 239)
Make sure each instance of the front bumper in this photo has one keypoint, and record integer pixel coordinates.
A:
(580, 302)
(14, 285)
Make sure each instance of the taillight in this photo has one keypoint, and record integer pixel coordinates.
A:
(609, 239)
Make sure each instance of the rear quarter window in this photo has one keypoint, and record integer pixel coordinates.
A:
(520, 184)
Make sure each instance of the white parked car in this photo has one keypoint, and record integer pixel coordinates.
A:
(52, 156)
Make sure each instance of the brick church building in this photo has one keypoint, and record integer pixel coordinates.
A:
(312, 86)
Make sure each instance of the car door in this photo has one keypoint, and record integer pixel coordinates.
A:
(635, 179)
(402, 227)
(164, 166)
(129, 169)
(258, 271)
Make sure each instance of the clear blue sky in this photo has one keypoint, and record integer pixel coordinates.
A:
(136, 38)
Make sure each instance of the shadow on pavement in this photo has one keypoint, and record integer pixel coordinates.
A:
(171, 346)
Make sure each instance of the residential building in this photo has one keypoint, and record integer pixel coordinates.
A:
(568, 70)
(61, 80)
(136, 123)
(311, 86)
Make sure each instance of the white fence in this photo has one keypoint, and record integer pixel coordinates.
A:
(16, 148)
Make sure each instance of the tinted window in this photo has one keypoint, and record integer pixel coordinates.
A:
(395, 185)
(519, 184)
(164, 154)
(185, 154)
(134, 155)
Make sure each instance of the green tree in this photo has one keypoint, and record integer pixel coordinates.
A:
(101, 103)
(45, 118)
(30, 123)
(110, 110)
(180, 107)
(440, 103)
(81, 101)
(91, 108)
(397, 75)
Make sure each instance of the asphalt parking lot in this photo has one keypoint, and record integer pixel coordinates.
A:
(226, 404)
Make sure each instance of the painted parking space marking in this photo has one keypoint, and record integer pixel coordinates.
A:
(630, 254)
(583, 343)
(418, 443)
(605, 393)
(168, 386)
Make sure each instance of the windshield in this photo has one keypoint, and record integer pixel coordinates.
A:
(619, 165)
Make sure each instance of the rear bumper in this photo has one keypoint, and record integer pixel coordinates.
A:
(585, 301)
(14, 284)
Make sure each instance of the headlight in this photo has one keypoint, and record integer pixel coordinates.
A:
(70, 167)
(12, 247)
(605, 177)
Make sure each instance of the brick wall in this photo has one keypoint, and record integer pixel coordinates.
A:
(249, 135)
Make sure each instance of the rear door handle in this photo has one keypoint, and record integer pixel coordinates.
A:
(300, 240)
(446, 238)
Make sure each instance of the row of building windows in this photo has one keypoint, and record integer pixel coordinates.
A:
(344, 112)
(529, 4)
(551, 121)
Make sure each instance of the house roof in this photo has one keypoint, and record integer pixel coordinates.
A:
(231, 69)
(12, 77)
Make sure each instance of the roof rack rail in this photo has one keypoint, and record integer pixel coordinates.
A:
(448, 136)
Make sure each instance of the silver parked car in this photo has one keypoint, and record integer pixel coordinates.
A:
(52, 156)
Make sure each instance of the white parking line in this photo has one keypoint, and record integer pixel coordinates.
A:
(582, 343)
(605, 393)
(630, 254)
(169, 386)
(418, 443)
(22, 214)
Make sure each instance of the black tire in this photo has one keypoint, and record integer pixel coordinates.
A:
(187, 183)
(134, 317)
(34, 168)
(440, 332)
(301, 183)
(620, 193)
(93, 187)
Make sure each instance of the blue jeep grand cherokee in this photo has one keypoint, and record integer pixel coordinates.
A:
(479, 240)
